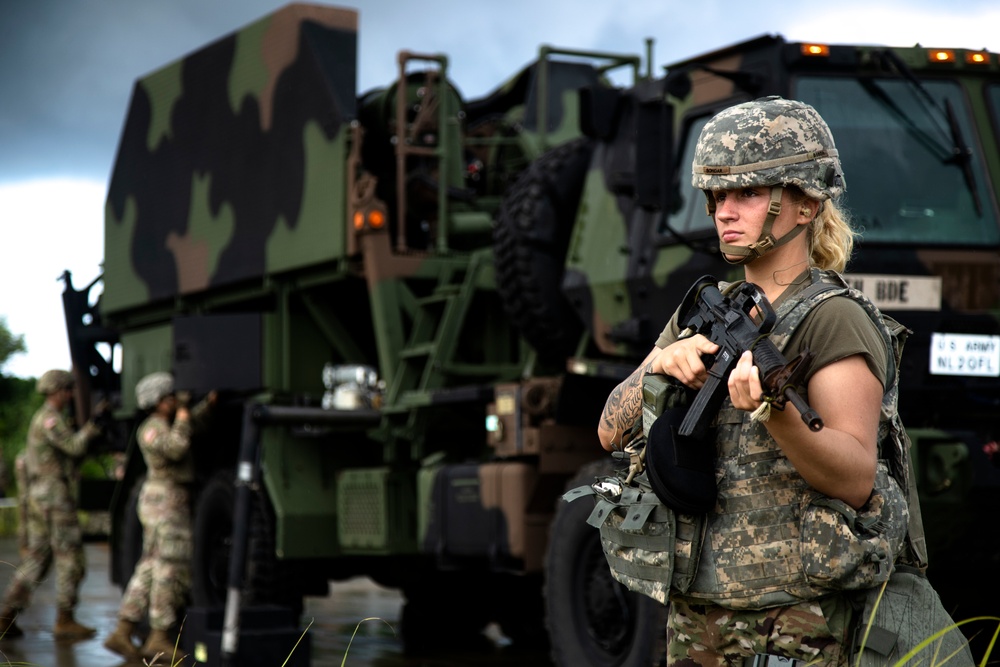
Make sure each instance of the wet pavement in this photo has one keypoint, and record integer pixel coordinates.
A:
(330, 622)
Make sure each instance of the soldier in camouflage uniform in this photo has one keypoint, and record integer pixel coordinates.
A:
(53, 529)
(162, 578)
(771, 174)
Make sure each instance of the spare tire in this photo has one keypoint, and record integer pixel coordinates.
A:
(530, 240)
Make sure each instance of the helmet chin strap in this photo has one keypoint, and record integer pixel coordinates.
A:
(766, 242)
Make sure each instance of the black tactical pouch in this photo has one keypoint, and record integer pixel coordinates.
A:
(681, 470)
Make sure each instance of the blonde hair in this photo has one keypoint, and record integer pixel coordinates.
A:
(831, 240)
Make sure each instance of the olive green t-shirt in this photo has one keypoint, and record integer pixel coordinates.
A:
(833, 330)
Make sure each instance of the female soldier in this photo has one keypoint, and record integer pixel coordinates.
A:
(771, 174)
(161, 581)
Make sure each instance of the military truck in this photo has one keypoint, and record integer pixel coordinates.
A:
(413, 305)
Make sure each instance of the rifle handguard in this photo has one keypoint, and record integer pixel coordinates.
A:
(779, 389)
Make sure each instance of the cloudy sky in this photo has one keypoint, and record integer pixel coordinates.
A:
(67, 68)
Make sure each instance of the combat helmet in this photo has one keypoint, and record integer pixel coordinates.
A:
(54, 380)
(769, 142)
(151, 389)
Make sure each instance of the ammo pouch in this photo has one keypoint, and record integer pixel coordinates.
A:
(649, 547)
(846, 549)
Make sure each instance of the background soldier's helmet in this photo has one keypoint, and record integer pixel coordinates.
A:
(153, 388)
(769, 141)
(54, 380)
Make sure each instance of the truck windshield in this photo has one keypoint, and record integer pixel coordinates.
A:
(993, 103)
(898, 149)
(905, 185)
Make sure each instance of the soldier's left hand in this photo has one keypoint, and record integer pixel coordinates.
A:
(745, 389)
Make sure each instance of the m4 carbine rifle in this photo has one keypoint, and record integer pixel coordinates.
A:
(726, 320)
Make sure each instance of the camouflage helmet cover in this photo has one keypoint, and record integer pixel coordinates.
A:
(769, 141)
(151, 389)
(54, 380)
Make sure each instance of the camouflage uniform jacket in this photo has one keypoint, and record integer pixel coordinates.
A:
(166, 448)
(51, 453)
(771, 539)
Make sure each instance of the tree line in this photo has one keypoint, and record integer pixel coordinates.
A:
(18, 402)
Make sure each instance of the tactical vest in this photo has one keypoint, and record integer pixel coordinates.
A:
(771, 539)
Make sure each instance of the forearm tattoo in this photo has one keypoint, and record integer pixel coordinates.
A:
(624, 405)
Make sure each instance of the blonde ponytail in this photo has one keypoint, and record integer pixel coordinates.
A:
(831, 240)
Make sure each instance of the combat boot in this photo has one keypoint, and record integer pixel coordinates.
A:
(120, 641)
(67, 628)
(8, 626)
(158, 643)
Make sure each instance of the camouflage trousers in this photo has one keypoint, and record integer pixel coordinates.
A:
(53, 534)
(702, 634)
(161, 582)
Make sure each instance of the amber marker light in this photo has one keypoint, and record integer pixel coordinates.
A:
(977, 57)
(815, 50)
(359, 220)
(942, 56)
(376, 219)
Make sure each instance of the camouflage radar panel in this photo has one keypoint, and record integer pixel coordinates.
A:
(223, 171)
(769, 141)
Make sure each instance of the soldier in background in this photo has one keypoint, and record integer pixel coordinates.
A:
(53, 528)
(162, 578)
(21, 477)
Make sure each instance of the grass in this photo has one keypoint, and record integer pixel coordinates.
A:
(176, 661)
(910, 659)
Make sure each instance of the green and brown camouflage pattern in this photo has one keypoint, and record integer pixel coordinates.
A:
(216, 180)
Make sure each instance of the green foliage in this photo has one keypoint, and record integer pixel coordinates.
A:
(18, 402)
(9, 343)
(98, 466)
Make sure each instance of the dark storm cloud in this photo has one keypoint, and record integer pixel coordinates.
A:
(67, 68)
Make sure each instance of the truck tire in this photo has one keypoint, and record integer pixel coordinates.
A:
(530, 240)
(213, 530)
(594, 621)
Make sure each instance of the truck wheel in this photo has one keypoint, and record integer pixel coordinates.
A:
(530, 240)
(592, 619)
(213, 531)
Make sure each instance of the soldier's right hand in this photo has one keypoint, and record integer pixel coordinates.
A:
(683, 361)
